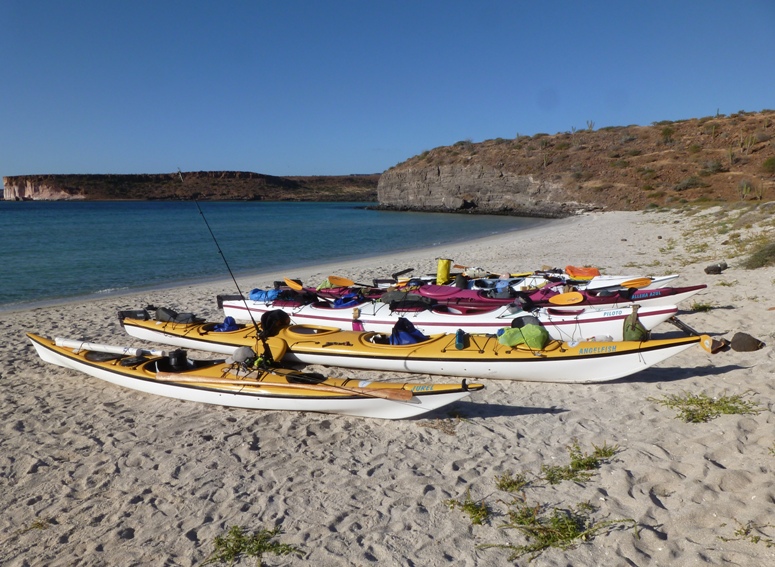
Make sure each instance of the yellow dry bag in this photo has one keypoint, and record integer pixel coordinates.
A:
(442, 271)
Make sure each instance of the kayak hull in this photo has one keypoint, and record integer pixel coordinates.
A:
(270, 394)
(573, 322)
(479, 355)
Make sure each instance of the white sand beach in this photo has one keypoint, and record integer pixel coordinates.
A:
(92, 474)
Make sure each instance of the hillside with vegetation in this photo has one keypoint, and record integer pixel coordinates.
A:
(715, 158)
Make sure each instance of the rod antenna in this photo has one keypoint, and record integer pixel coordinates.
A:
(267, 351)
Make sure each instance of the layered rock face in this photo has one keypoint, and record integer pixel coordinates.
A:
(29, 190)
(202, 185)
(474, 188)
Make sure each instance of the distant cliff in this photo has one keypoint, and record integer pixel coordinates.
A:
(201, 185)
(475, 188)
(717, 158)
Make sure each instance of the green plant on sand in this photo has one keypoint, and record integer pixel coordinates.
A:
(764, 256)
(561, 528)
(542, 525)
(581, 464)
(753, 533)
(479, 512)
(236, 543)
(700, 408)
(701, 307)
(511, 482)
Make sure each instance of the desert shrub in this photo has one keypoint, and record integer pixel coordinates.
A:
(689, 183)
(464, 144)
(764, 256)
(769, 165)
(711, 167)
(647, 172)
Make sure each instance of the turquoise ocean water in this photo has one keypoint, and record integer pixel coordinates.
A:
(56, 251)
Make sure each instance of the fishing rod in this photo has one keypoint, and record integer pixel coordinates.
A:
(259, 332)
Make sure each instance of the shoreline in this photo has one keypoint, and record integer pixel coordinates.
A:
(91, 473)
(244, 274)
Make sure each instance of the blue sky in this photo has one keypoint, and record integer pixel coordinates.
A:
(338, 87)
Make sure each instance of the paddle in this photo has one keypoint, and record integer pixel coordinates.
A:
(683, 326)
(569, 298)
(77, 345)
(401, 273)
(462, 267)
(395, 395)
(293, 284)
(339, 281)
(511, 275)
(636, 283)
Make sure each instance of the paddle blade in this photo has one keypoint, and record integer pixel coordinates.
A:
(338, 281)
(569, 298)
(293, 284)
(636, 283)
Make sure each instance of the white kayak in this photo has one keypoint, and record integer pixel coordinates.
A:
(536, 280)
(562, 323)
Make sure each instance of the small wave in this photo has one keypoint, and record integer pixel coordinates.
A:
(111, 290)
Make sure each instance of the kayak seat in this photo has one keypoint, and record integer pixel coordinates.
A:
(167, 315)
(408, 306)
(180, 364)
(211, 327)
(97, 356)
(287, 303)
(438, 290)
(458, 309)
(305, 378)
(379, 339)
(561, 312)
(133, 360)
(550, 346)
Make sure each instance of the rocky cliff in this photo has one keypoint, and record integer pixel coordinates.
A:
(202, 185)
(717, 158)
(26, 189)
(476, 188)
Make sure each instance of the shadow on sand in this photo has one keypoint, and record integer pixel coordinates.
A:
(470, 410)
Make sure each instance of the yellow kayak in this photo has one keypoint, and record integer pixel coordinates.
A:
(475, 356)
(238, 384)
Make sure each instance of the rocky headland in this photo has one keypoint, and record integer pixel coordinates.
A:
(200, 185)
(717, 158)
(713, 159)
